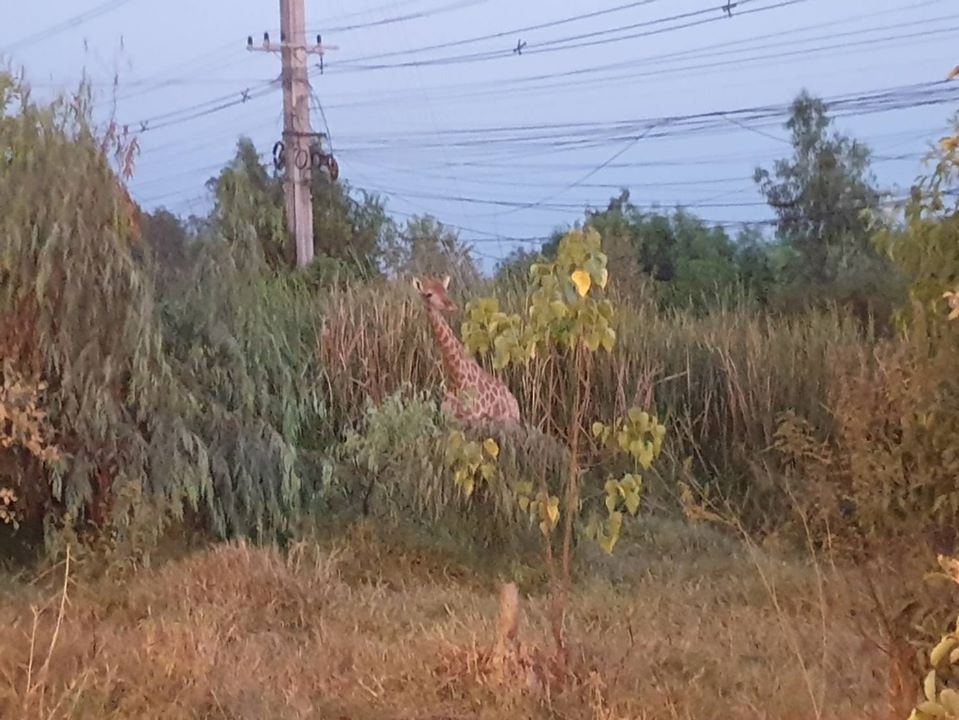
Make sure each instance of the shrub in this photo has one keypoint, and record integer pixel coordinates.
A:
(886, 465)
(396, 465)
(196, 405)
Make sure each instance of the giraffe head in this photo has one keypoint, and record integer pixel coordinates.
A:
(434, 293)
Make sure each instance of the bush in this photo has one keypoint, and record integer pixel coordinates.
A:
(197, 405)
(397, 465)
(885, 466)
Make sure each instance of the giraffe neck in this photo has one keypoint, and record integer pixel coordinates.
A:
(451, 350)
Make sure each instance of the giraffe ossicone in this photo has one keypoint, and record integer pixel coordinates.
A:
(473, 395)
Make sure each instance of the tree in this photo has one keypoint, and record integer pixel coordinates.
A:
(352, 232)
(566, 321)
(514, 268)
(167, 238)
(686, 261)
(426, 246)
(247, 196)
(756, 258)
(820, 193)
(355, 230)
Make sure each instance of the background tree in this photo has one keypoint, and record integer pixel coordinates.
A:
(425, 246)
(246, 195)
(514, 268)
(167, 238)
(686, 261)
(350, 226)
(820, 193)
(756, 259)
(349, 232)
(824, 196)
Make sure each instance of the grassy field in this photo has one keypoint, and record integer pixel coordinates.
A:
(682, 623)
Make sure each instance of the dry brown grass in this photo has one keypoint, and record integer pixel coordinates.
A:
(679, 625)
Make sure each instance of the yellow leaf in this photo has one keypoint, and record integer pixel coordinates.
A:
(582, 281)
(491, 448)
(603, 278)
(949, 699)
(611, 502)
(552, 510)
(932, 708)
(929, 686)
(942, 650)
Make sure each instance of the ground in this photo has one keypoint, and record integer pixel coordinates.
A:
(681, 623)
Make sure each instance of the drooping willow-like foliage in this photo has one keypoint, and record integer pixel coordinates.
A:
(199, 403)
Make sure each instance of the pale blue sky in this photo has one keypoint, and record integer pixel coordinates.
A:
(394, 126)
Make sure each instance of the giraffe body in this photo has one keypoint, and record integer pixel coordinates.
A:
(472, 394)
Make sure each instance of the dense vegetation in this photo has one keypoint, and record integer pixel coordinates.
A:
(164, 375)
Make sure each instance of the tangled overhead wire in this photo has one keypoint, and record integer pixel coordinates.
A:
(314, 158)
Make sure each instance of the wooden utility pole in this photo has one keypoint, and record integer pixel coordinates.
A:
(297, 133)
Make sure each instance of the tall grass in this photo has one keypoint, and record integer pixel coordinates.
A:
(722, 382)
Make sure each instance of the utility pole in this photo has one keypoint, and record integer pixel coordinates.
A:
(297, 133)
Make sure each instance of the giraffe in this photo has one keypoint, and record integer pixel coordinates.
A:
(472, 395)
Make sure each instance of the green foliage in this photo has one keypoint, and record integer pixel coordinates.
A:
(426, 247)
(821, 193)
(926, 247)
(170, 245)
(350, 225)
(393, 452)
(395, 465)
(674, 258)
(241, 341)
(247, 196)
(688, 262)
(190, 408)
(355, 231)
(562, 308)
(487, 328)
(567, 319)
(824, 196)
(539, 506)
(640, 436)
(514, 268)
(76, 310)
(470, 461)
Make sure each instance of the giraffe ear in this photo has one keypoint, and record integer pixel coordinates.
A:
(417, 284)
(446, 282)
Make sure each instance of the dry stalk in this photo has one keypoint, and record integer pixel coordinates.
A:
(41, 675)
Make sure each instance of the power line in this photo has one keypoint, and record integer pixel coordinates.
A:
(419, 15)
(558, 44)
(529, 84)
(208, 107)
(505, 33)
(686, 125)
(581, 134)
(69, 23)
